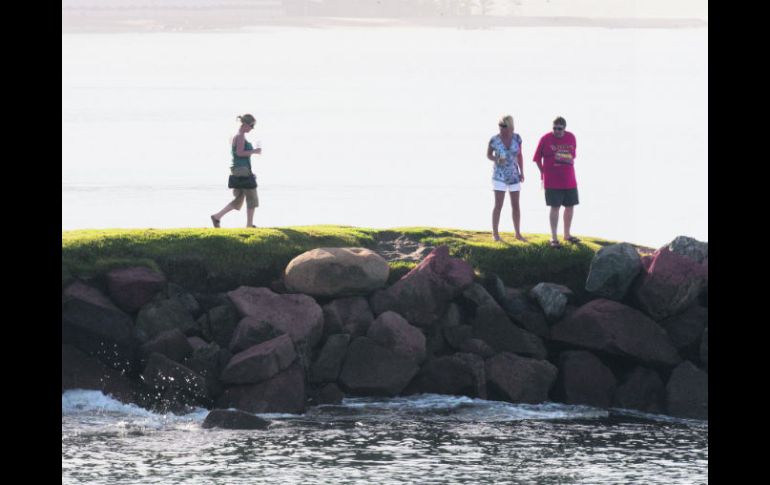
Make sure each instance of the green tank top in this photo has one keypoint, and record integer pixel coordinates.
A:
(242, 161)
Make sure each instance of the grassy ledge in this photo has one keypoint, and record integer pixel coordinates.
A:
(221, 259)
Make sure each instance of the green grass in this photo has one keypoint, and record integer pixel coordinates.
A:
(221, 259)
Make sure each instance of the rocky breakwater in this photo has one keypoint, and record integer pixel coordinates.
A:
(333, 328)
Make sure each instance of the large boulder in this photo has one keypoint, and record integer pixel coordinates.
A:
(686, 329)
(687, 392)
(260, 362)
(350, 315)
(326, 367)
(668, 284)
(518, 306)
(249, 332)
(492, 325)
(282, 393)
(93, 324)
(333, 272)
(171, 343)
(159, 316)
(423, 294)
(233, 419)
(460, 374)
(642, 390)
(299, 316)
(81, 371)
(177, 385)
(219, 323)
(132, 288)
(613, 270)
(611, 327)
(552, 298)
(372, 370)
(692, 248)
(393, 332)
(209, 361)
(519, 379)
(584, 379)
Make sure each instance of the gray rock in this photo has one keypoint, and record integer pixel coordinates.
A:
(687, 392)
(457, 375)
(171, 343)
(613, 270)
(552, 298)
(251, 331)
(350, 315)
(233, 419)
(692, 248)
(327, 366)
(160, 316)
(131, 288)
(282, 393)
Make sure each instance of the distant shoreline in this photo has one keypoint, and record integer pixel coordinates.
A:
(218, 20)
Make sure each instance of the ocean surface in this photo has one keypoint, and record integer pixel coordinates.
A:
(385, 127)
(423, 439)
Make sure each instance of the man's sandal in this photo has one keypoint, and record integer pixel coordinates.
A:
(572, 239)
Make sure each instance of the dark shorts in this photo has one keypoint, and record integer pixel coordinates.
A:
(559, 197)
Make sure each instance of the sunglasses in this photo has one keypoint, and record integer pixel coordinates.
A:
(251, 124)
(502, 125)
(558, 128)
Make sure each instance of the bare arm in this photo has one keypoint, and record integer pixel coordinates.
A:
(520, 160)
(240, 147)
(490, 153)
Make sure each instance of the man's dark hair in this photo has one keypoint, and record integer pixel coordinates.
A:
(560, 121)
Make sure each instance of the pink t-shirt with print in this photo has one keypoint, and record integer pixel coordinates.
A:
(558, 158)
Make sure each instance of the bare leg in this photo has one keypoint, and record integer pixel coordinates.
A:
(250, 216)
(516, 214)
(224, 211)
(568, 221)
(554, 218)
(499, 201)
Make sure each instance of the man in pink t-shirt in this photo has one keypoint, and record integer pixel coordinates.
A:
(555, 157)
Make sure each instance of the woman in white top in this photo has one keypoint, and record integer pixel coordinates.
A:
(504, 150)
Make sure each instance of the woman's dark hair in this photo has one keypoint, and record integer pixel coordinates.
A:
(247, 118)
(560, 121)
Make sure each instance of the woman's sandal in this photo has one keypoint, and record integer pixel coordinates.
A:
(555, 244)
(572, 239)
(215, 221)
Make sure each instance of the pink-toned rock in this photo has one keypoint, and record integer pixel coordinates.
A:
(519, 379)
(93, 324)
(643, 390)
(283, 393)
(196, 342)
(80, 371)
(393, 332)
(131, 288)
(370, 369)
(251, 331)
(460, 374)
(299, 316)
(260, 362)
(172, 343)
(584, 379)
(669, 283)
(614, 328)
(423, 294)
(350, 315)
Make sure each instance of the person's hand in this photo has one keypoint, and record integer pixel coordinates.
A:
(258, 151)
(521, 177)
